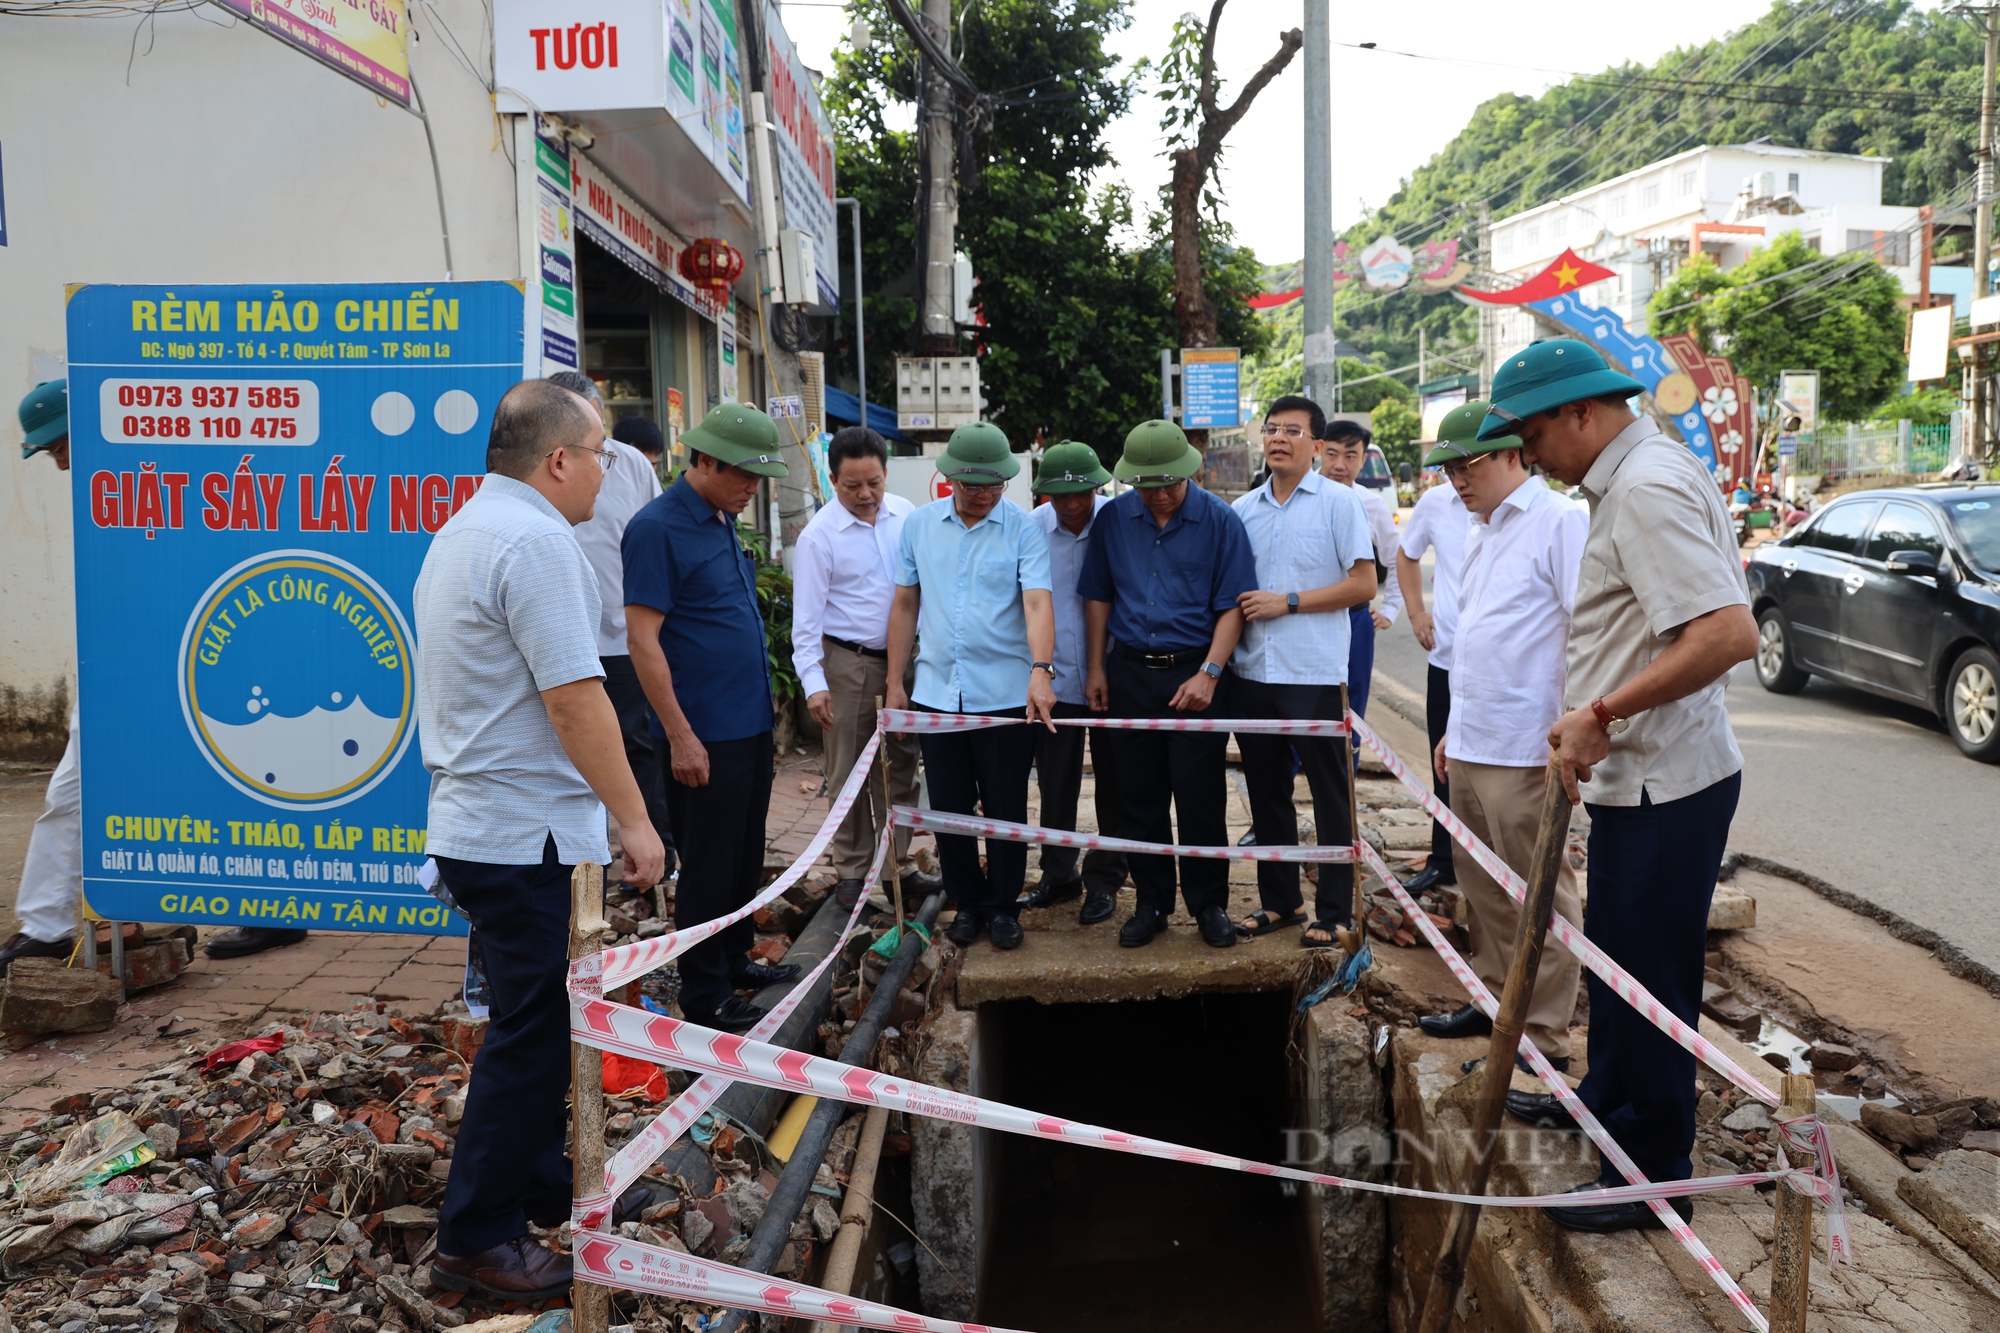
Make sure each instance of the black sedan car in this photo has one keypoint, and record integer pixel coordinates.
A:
(1896, 592)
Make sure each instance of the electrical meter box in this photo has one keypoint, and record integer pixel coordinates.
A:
(937, 393)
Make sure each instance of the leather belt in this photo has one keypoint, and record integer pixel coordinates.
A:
(1161, 661)
(857, 648)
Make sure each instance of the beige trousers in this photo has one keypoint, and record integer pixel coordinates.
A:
(855, 681)
(1502, 805)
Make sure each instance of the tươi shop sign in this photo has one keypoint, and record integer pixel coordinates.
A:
(257, 474)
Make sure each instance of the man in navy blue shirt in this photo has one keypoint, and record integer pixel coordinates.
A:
(1167, 562)
(697, 642)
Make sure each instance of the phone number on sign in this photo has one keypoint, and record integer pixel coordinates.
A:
(206, 411)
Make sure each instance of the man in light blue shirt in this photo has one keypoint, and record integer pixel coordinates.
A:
(1315, 560)
(972, 593)
(524, 753)
(1069, 476)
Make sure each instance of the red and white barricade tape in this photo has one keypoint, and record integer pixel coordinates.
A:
(910, 719)
(665, 1129)
(973, 826)
(614, 967)
(1571, 937)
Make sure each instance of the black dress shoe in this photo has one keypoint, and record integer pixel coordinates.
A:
(522, 1269)
(1050, 892)
(1249, 838)
(922, 881)
(756, 976)
(1542, 1110)
(1140, 927)
(243, 941)
(1635, 1216)
(27, 946)
(736, 1015)
(847, 893)
(1429, 878)
(1098, 906)
(1217, 930)
(964, 928)
(1007, 933)
(1466, 1021)
(1560, 1062)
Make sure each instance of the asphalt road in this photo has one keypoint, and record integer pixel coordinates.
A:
(1867, 794)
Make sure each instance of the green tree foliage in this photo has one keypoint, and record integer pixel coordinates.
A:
(1788, 308)
(1880, 77)
(1075, 291)
(1396, 426)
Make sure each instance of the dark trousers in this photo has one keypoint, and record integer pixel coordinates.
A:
(719, 831)
(1652, 873)
(981, 772)
(642, 748)
(1059, 764)
(509, 1164)
(1181, 769)
(1268, 773)
(1437, 714)
(1360, 656)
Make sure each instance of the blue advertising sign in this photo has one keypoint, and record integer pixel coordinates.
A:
(1210, 383)
(257, 475)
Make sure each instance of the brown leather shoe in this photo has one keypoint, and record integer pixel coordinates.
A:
(522, 1269)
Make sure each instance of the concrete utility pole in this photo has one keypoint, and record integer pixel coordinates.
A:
(940, 333)
(1982, 237)
(1320, 361)
(1487, 355)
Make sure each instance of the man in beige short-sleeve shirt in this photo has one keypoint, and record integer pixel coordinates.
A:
(1660, 617)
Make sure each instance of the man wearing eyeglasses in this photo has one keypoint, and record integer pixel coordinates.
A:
(1517, 585)
(697, 639)
(972, 596)
(1314, 565)
(1166, 564)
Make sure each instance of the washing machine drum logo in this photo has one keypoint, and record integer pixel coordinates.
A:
(296, 680)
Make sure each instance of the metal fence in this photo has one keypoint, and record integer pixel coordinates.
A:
(1879, 448)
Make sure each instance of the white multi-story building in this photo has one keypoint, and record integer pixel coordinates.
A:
(1722, 201)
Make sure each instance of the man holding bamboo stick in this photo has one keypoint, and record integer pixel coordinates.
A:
(1660, 618)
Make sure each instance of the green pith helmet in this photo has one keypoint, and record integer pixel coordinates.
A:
(978, 454)
(1157, 453)
(44, 416)
(1068, 468)
(1548, 373)
(1458, 435)
(740, 435)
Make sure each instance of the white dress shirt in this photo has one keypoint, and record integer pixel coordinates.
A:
(843, 582)
(629, 485)
(1382, 529)
(1439, 523)
(1310, 541)
(1066, 550)
(1516, 590)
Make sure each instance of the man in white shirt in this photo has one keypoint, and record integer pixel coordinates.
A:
(1516, 590)
(1438, 523)
(1314, 564)
(843, 582)
(1070, 475)
(1342, 456)
(630, 483)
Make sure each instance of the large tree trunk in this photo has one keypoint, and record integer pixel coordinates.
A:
(1194, 315)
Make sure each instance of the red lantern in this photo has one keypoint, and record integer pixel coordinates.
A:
(712, 265)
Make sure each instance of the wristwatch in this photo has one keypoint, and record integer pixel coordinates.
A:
(1610, 721)
(1212, 670)
(1291, 603)
(1049, 667)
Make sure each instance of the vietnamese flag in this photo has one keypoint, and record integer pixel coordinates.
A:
(1569, 272)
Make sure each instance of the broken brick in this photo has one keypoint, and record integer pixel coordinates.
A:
(237, 1133)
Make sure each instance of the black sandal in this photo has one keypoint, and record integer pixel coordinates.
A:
(1332, 940)
(1266, 922)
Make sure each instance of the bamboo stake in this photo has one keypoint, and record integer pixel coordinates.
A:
(590, 1305)
(895, 866)
(1791, 1250)
(1551, 845)
(856, 1212)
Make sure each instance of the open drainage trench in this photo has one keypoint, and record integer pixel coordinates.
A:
(1076, 1238)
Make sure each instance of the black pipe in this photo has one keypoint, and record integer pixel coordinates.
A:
(774, 1229)
(746, 1103)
